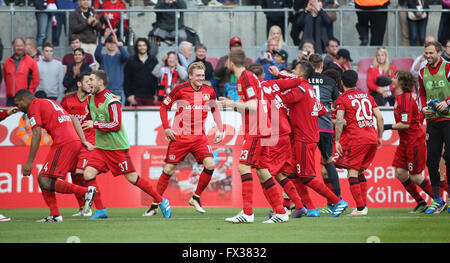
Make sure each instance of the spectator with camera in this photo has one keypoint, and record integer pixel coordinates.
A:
(306, 48)
(342, 61)
(379, 78)
(266, 57)
(279, 60)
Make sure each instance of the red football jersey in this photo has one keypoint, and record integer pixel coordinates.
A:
(49, 114)
(3, 114)
(407, 111)
(192, 108)
(80, 109)
(249, 88)
(358, 107)
(273, 93)
(304, 108)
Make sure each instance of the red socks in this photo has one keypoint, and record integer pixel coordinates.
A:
(355, 188)
(320, 188)
(291, 191)
(203, 181)
(97, 199)
(247, 193)
(145, 186)
(303, 192)
(426, 187)
(79, 180)
(163, 182)
(412, 190)
(64, 187)
(273, 196)
(50, 200)
(363, 185)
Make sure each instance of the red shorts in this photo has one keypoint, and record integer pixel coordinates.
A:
(179, 149)
(253, 154)
(356, 157)
(280, 159)
(61, 160)
(117, 161)
(411, 157)
(304, 158)
(83, 158)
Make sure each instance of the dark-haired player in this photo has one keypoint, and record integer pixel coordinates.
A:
(111, 141)
(411, 154)
(76, 105)
(357, 142)
(62, 158)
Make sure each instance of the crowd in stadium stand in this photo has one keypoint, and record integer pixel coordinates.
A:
(140, 79)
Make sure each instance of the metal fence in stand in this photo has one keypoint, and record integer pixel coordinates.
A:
(230, 12)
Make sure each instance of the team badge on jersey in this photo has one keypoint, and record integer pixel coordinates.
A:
(206, 97)
(239, 87)
(167, 100)
(32, 121)
(171, 157)
(250, 92)
(404, 117)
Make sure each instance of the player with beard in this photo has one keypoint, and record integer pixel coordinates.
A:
(111, 142)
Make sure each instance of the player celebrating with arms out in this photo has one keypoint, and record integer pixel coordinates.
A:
(111, 142)
(76, 105)
(411, 153)
(255, 149)
(187, 135)
(360, 140)
(62, 158)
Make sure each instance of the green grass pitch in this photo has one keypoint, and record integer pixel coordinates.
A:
(126, 225)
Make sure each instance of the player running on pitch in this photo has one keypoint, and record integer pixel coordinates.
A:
(111, 142)
(187, 135)
(62, 158)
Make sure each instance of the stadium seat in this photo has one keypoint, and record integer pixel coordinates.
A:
(403, 63)
(213, 61)
(363, 66)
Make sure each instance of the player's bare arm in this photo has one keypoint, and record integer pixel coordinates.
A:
(400, 126)
(340, 121)
(251, 105)
(218, 119)
(12, 110)
(79, 130)
(380, 125)
(34, 147)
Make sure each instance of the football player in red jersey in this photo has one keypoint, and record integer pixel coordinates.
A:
(76, 105)
(304, 110)
(187, 134)
(411, 154)
(360, 140)
(62, 158)
(280, 154)
(257, 139)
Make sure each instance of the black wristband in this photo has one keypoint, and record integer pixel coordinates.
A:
(388, 127)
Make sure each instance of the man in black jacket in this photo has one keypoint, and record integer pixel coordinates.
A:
(165, 21)
(140, 84)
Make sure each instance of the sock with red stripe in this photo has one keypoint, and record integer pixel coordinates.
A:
(426, 187)
(412, 190)
(50, 200)
(147, 187)
(203, 181)
(355, 188)
(363, 185)
(273, 196)
(79, 180)
(247, 193)
(64, 187)
(302, 192)
(291, 191)
(320, 188)
(97, 198)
